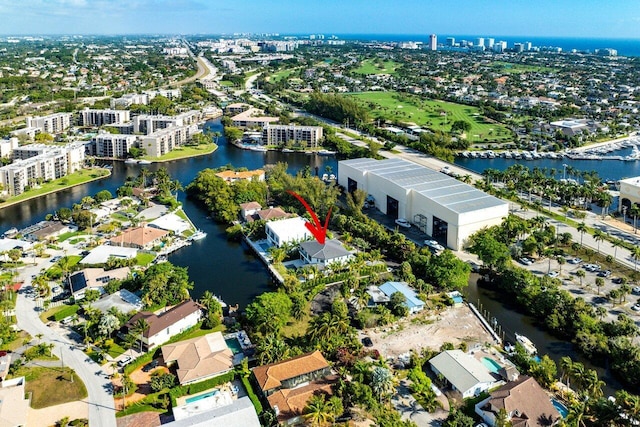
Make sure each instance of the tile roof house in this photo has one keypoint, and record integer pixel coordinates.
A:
(233, 176)
(289, 384)
(413, 303)
(94, 278)
(466, 374)
(331, 251)
(140, 237)
(268, 214)
(165, 325)
(200, 358)
(524, 401)
(249, 208)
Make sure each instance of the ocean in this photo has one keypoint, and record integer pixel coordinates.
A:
(625, 47)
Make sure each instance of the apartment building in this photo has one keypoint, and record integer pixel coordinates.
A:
(126, 101)
(96, 118)
(53, 123)
(281, 134)
(111, 145)
(163, 141)
(53, 162)
(147, 124)
(7, 146)
(252, 118)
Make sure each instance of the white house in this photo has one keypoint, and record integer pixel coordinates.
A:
(291, 230)
(465, 373)
(164, 326)
(331, 251)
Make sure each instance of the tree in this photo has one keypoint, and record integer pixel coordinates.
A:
(491, 252)
(160, 381)
(448, 272)
(318, 411)
(103, 196)
(382, 382)
(64, 214)
(458, 418)
(582, 228)
(269, 312)
(165, 284)
(139, 328)
(581, 275)
(599, 283)
(108, 324)
(398, 304)
(599, 236)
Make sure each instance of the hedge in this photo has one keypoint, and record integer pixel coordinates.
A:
(66, 312)
(184, 390)
(254, 399)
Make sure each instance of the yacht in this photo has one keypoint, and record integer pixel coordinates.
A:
(325, 177)
(326, 152)
(256, 148)
(527, 344)
(491, 155)
(144, 162)
(131, 161)
(198, 235)
(527, 155)
(507, 155)
(287, 150)
(635, 154)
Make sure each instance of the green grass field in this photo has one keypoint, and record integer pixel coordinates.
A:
(184, 152)
(511, 68)
(52, 386)
(430, 114)
(144, 259)
(371, 66)
(282, 74)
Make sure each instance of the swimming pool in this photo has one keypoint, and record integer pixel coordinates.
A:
(491, 364)
(561, 408)
(234, 345)
(201, 396)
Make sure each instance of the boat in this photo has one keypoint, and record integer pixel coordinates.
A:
(635, 154)
(325, 177)
(527, 344)
(287, 150)
(198, 235)
(332, 177)
(509, 348)
(507, 155)
(527, 155)
(11, 232)
(326, 152)
(257, 148)
(131, 161)
(144, 162)
(491, 155)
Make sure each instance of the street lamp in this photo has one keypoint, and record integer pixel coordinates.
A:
(624, 214)
(564, 171)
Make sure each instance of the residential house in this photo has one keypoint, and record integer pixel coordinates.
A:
(525, 403)
(143, 237)
(466, 374)
(332, 251)
(233, 176)
(14, 406)
(44, 230)
(289, 384)
(101, 254)
(286, 231)
(413, 303)
(94, 278)
(200, 358)
(269, 214)
(249, 209)
(172, 223)
(163, 326)
(240, 413)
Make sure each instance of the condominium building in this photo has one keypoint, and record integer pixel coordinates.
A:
(53, 162)
(163, 141)
(125, 101)
(111, 145)
(281, 134)
(433, 42)
(89, 117)
(147, 124)
(7, 146)
(252, 117)
(53, 123)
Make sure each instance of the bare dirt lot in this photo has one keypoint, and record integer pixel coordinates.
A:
(429, 330)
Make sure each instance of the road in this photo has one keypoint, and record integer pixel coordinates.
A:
(100, 399)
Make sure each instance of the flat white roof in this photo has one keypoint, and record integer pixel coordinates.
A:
(289, 226)
(635, 181)
(171, 222)
(8, 244)
(442, 189)
(101, 254)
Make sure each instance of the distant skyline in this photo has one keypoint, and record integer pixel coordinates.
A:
(542, 18)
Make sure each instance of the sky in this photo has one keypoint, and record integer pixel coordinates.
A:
(539, 18)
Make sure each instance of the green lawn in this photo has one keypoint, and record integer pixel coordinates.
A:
(69, 235)
(226, 83)
(144, 259)
(282, 74)
(511, 68)
(184, 152)
(80, 177)
(430, 114)
(52, 386)
(371, 66)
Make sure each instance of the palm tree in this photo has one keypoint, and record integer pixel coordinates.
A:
(635, 213)
(318, 411)
(382, 382)
(582, 228)
(140, 327)
(581, 274)
(592, 384)
(616, 243)
(599, 236)
(601, 312)
(566, 364)
(599, 283)
(635, 253)
(561, 260)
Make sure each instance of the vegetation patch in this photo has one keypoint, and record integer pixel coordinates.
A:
(184, 152)
(52, 386)
(374, 66)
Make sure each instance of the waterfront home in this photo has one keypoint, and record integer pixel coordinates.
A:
(252, 117)
(172, 223)
(332, 251)
(143, 237)
(285, 231)
(413, 303)
(101, 254)
(288, 385)
(45, 230)
(249, 209)
(202, 413)
(94, 278)
(8, 244)
(466, 374)
(525, 403)
(233, 176)
(163, 326)
(269, 214)
(200, 358)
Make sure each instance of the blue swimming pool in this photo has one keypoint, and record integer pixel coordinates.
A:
(561, 408)
(234, 345)
(491, 364)
(201, 396)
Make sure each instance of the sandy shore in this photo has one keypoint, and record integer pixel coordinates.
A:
(429, 330)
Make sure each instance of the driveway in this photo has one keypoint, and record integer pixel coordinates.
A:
(99, 403)
(410, 409)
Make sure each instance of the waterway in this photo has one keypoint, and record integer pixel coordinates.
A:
(225, 268)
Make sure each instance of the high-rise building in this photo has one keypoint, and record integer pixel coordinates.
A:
(433, 42)
(500, 46)
(451, 41)
(479, 42)
(490, 43)
(518, 47)
(528, 46)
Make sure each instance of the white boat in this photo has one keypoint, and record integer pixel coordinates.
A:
(198, 235)
(256, 148)
(131, 161)
(527, 155)
(507, 154)
(144, 162)
(527, 344)
(11, 232)
(332, 177)
(325, 177)
(326, 152)
(635, 154)
(287, 150)
(491, 155)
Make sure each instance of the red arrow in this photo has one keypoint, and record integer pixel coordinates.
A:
(319, 232)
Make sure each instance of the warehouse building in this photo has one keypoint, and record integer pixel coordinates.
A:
(448, 210)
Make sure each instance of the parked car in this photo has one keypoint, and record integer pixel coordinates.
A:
(432, 244)
(576, 260)
(591, 267)
(636, 306)
(553, 274)
(617, 280)
(525, 261)
(151, 365)
(366, 341)
(403, 223)
(124, 361)
(604, 273)
(636, 290)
